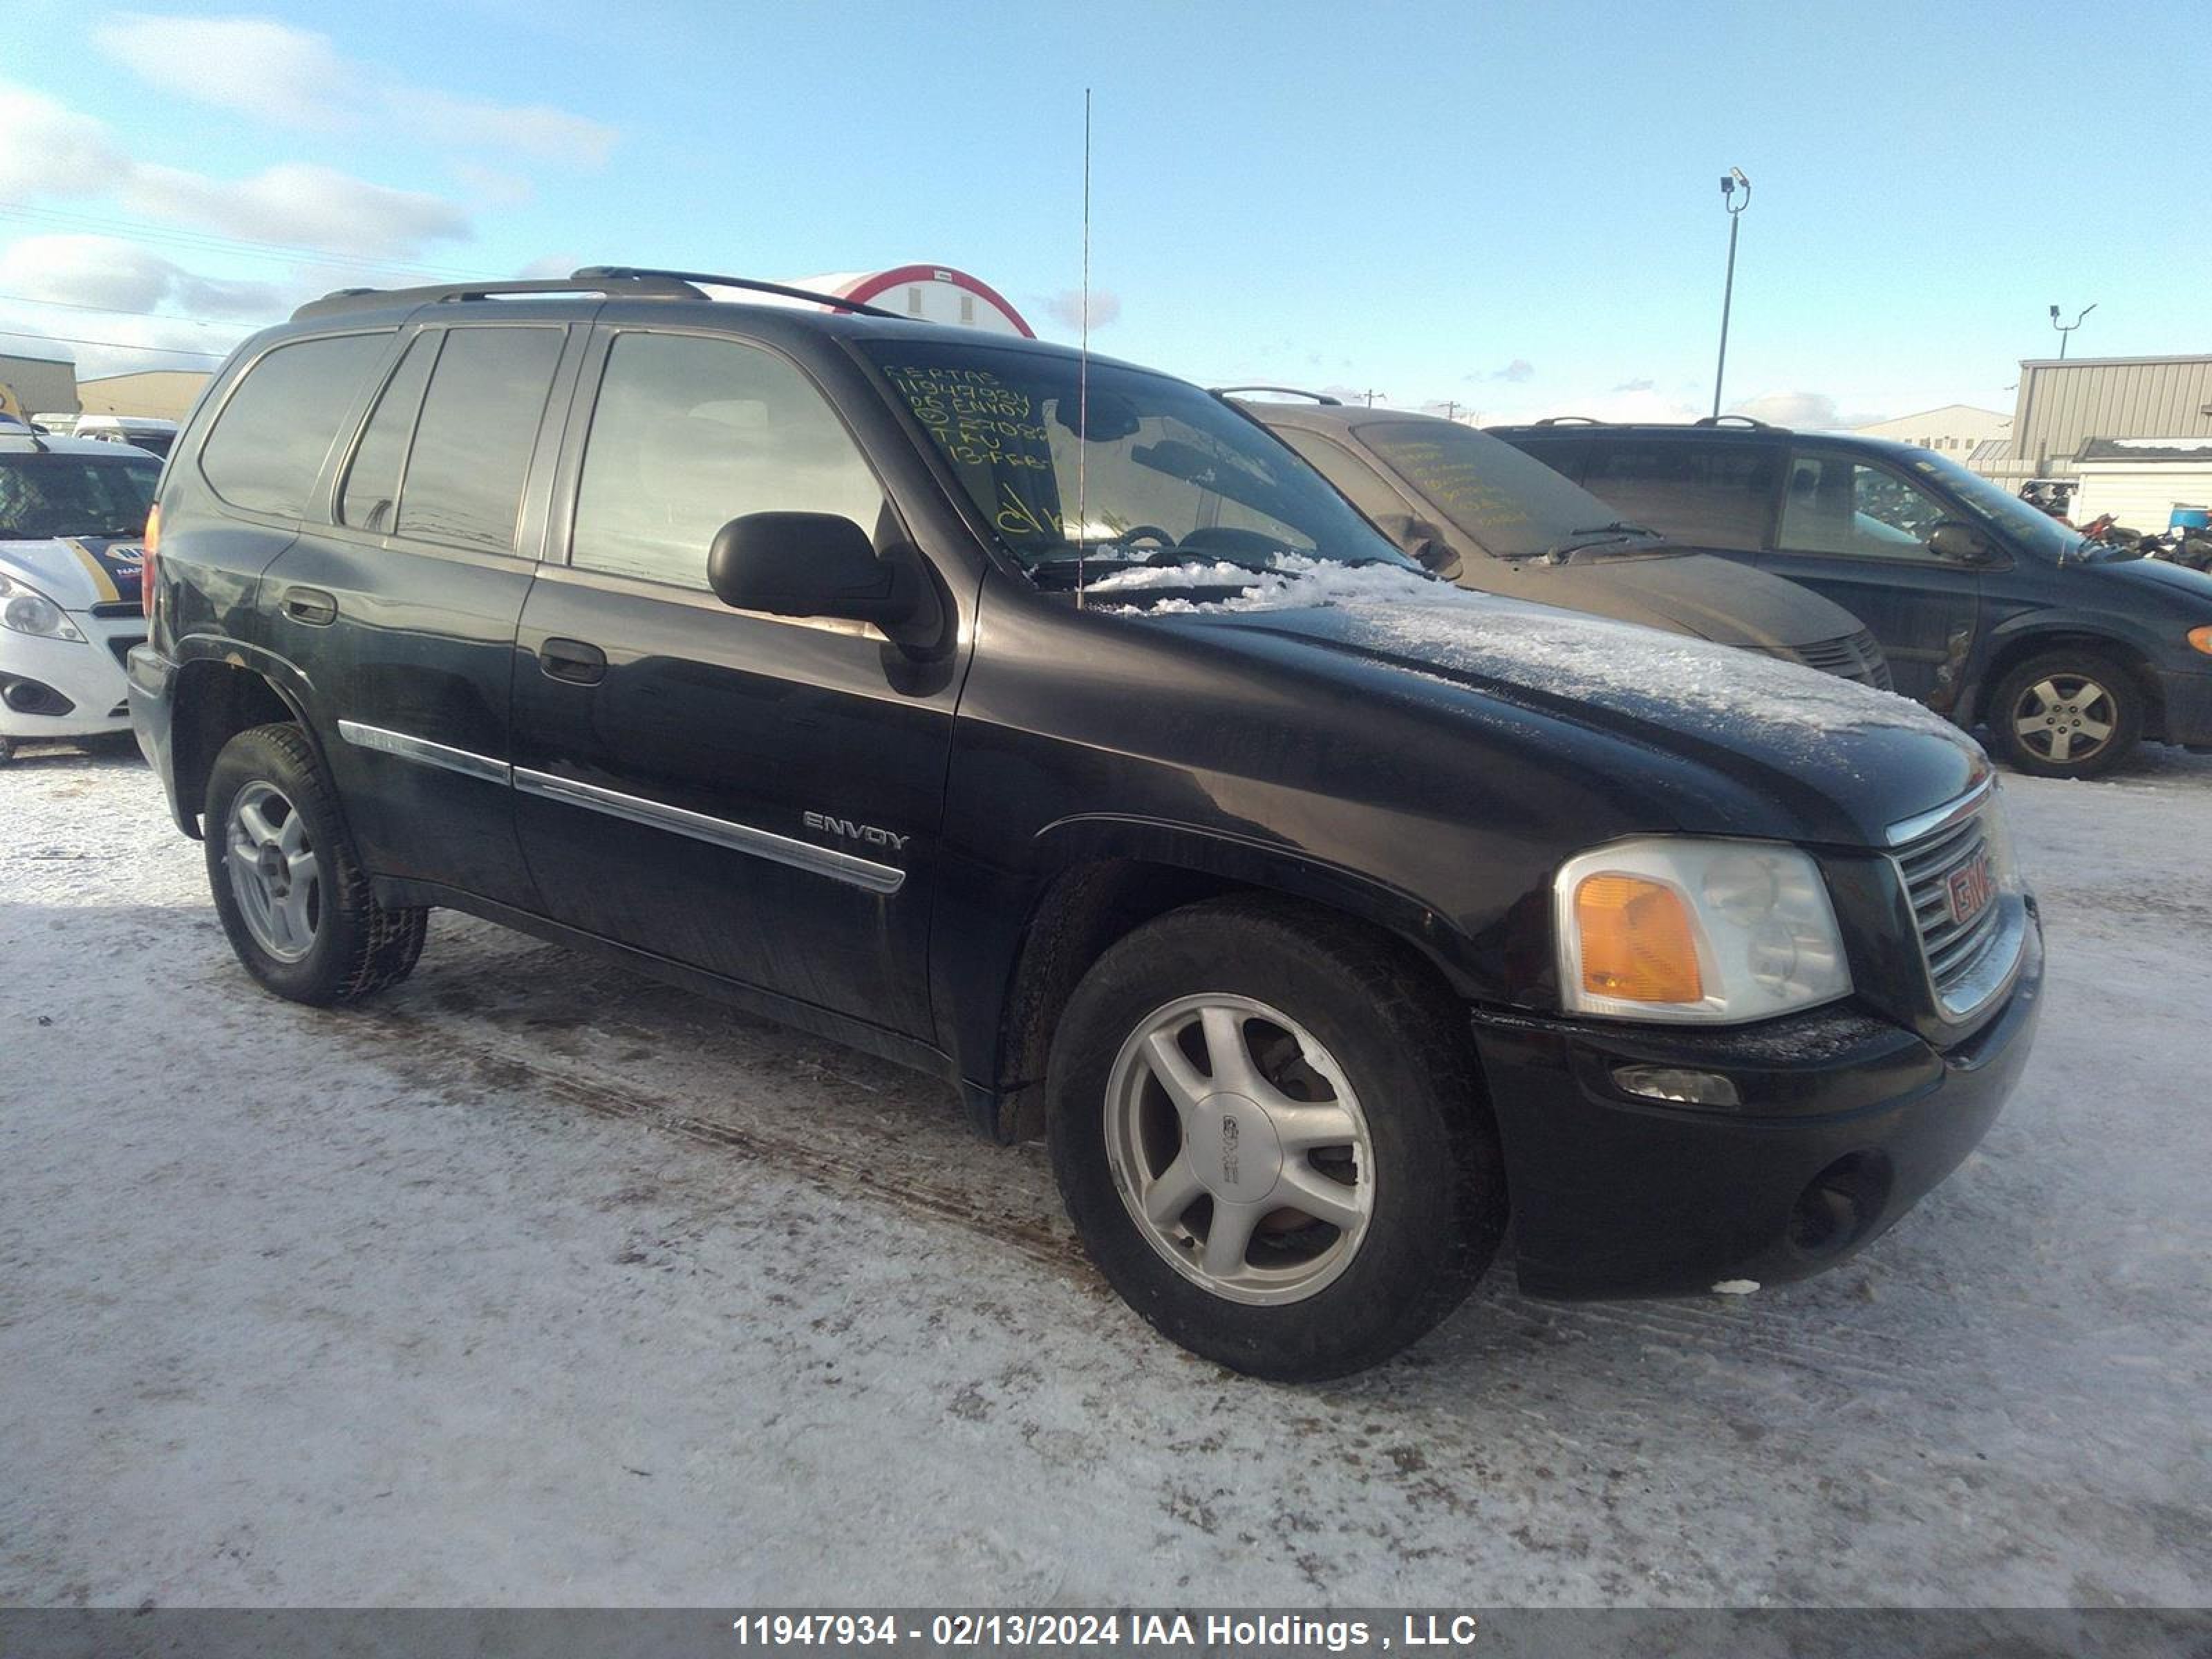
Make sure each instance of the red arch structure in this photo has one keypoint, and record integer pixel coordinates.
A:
(865, 288)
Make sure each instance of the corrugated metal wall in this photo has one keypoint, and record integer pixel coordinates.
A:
(2141, 496)
(2064, 405)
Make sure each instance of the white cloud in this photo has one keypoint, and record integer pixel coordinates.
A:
(1811, 411)
(296, 203)
(50, 150)
(294, 78)
(1066, 307)
(250, 65)
(1636, 402)
(103, 271)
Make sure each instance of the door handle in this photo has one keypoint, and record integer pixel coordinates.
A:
(311, 605)
(573, 660)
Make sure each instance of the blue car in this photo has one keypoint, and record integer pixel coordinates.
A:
(1989, 611)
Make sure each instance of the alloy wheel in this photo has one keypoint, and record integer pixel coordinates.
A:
(1240, 1149)
(274, 871)
(2065, 718)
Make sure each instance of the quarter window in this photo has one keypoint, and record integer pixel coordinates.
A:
(690, 433)
(275, 433)
(1703, 493)
(472, 446)
(1837, 505)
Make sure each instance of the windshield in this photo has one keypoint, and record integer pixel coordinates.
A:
(46, 495)
(1509, 504)
(2024, 525)
(1165, 477)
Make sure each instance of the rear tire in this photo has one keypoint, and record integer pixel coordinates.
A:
(294, 900)
(2069, 713)
(1313, 1055)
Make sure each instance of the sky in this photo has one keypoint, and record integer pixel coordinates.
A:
(1508, 210)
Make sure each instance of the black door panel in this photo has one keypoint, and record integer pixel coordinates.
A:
(757, 797)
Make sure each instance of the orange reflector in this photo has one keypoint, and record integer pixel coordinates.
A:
(153, 553)
(2201, 639)
(1637, 941)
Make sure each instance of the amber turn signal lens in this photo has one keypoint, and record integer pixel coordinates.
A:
(1638, 942)
(2201, 639)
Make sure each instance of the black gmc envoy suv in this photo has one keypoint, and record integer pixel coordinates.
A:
(1046, 724)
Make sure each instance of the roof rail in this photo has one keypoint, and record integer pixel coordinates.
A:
(1320, 397)
(645, 286)
(837, 303)
(1570, 420)
(1732, 420)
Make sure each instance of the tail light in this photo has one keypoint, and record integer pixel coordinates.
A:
(153, 555)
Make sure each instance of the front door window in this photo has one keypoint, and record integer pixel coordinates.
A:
(1844, 505)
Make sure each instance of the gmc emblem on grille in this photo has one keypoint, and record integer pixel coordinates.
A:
(1970, 889)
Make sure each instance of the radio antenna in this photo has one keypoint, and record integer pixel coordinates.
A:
(1082, 372)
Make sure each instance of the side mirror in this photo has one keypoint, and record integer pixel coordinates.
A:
(809, 564)
(1960, 543)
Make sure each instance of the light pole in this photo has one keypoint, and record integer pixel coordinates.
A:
(2065, 329)
(1729, 182)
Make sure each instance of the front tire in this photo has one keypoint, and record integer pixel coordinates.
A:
(2066, 714)
(1268, 1128)
(296, 904)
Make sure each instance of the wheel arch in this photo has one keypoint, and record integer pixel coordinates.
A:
(216, 697)
(2010, 651)
(1110, 876)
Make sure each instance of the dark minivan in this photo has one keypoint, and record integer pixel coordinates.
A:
(1318, 912)
(1989, 611)
(1480, 514)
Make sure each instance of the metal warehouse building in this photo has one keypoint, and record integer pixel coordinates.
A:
(44, 386)
(2064, 403)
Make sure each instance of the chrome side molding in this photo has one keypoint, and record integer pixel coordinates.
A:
(719, 832)
(421, 750)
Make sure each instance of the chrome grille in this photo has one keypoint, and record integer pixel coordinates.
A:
(1854, 656)
(1968, 962)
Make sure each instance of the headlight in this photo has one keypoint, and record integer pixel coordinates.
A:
(1683, 930)
(27, 611)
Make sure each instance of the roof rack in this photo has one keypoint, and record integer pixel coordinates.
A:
(1732, 420)
(1570, 420)
(380, 299)
(1320, 397)
(641, 273)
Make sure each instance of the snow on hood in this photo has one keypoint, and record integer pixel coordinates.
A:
(78, 572)
(1425, 625)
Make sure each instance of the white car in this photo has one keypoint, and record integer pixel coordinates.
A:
(72, 517)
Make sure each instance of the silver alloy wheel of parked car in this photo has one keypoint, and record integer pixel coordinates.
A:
(2065, 719)
(274, 871)
(1240, 1148)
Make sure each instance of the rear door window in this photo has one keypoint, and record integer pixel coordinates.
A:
(276, 431)
(371, 497)
(1707, 493)
(479, 425)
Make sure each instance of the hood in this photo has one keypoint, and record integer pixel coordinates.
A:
(1785, 750)
(78, 572)
(1697, 593)
(2190, 591)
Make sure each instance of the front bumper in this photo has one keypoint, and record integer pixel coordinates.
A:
(1847, 1121)
(2187, 700)
(87, 674)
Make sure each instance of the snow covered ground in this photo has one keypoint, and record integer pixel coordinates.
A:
(533, 1282)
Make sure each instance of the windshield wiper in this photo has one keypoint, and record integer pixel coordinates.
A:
(1601, 535)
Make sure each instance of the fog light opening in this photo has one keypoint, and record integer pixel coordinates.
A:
(1679, 1083)
(1840, 1204)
